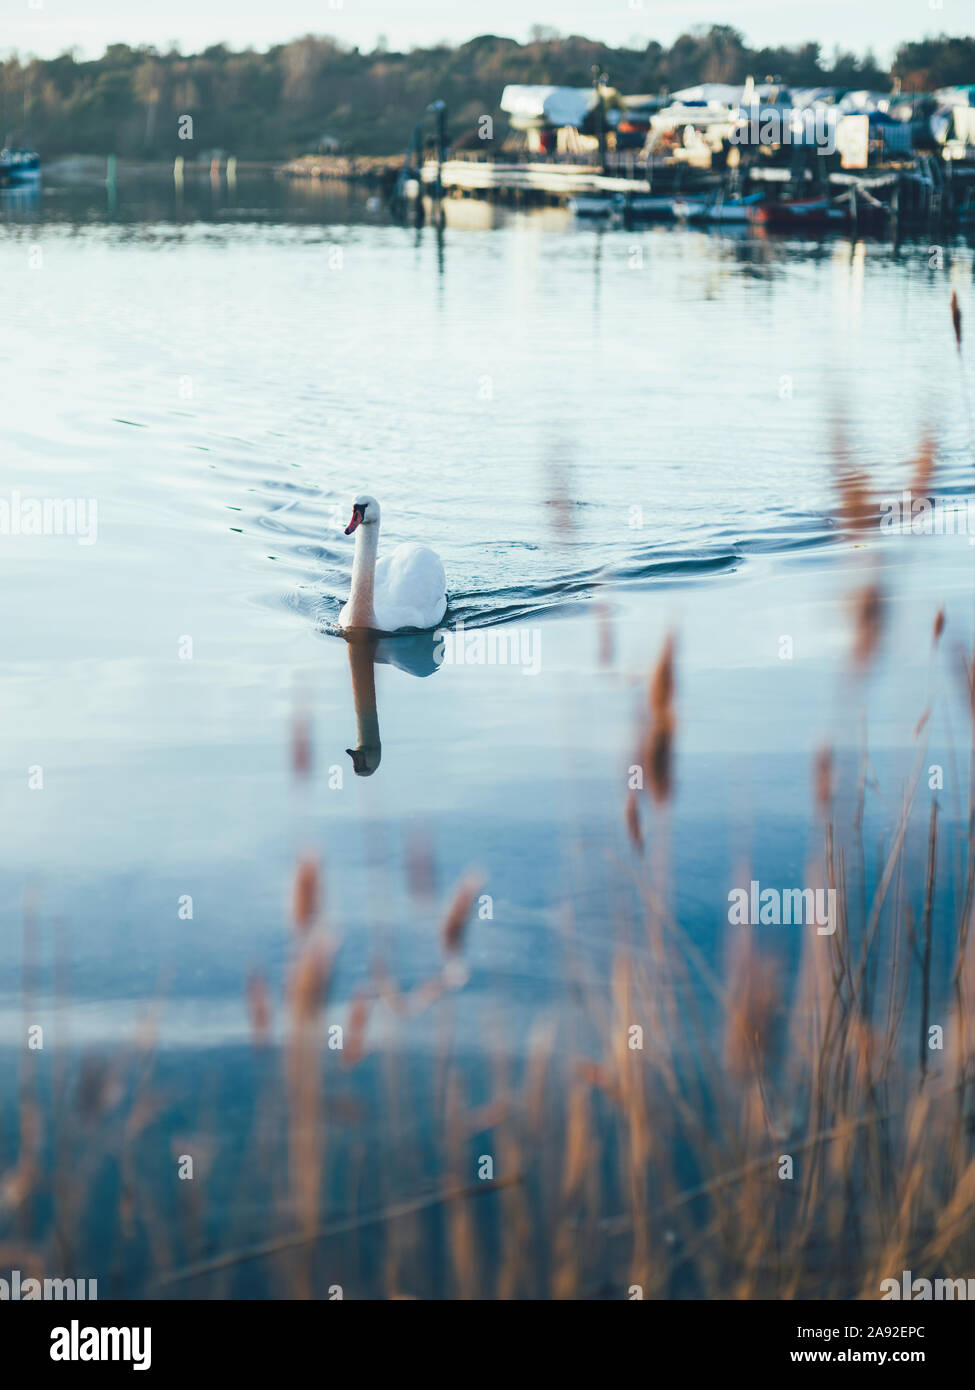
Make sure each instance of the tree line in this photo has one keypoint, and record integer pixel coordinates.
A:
(295, 96)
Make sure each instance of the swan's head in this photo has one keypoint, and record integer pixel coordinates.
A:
(365, 512)
(365, 759)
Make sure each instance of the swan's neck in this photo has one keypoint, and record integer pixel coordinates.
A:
(363, 577)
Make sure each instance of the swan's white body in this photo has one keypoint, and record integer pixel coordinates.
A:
(405, 589)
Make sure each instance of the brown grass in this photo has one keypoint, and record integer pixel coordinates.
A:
(758, 1133)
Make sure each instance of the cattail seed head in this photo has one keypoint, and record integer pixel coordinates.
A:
(306, 895)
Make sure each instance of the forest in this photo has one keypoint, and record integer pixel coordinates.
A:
(318, 93)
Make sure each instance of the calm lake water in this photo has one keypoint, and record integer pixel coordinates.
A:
(607, 435)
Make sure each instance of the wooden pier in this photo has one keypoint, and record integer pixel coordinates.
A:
(560, 180)
(920, 191)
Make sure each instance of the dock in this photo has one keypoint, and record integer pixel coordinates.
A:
(559, 180)
(919, 190)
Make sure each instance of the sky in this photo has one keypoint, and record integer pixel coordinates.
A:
(47, 27)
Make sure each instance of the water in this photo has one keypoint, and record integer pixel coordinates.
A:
(606, 435)
(677, 388)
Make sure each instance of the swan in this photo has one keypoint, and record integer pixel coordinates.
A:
(404, 590)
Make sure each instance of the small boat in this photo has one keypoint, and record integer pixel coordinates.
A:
(717, 209)
(735, 209)
(819, 213)
(19, 168)
(690, 209)
(645, 207)
(594, 206)
(800, 212)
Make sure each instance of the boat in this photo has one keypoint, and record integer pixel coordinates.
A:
(735, 209)
(817, 213)
(594, 206)
(690, 209)
(716, 209)
(799, 212)
(19, 168)
(645, 207)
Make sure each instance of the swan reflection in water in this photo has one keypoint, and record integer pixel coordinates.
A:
(413, 654)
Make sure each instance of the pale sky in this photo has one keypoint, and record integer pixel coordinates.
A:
(47, 27)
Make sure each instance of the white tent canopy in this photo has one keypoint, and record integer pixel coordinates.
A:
(864, 101)
(802, 97)
(714, 93)
(556, 106)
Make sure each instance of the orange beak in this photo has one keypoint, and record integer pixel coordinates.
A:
(356, 518)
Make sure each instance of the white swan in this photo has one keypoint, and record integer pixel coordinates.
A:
(406, 589)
